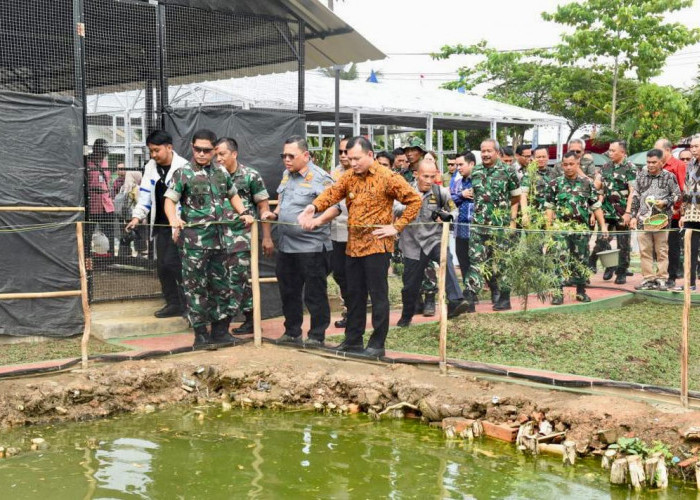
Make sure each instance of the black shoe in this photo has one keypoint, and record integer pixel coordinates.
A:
(344, 346)
(245, 327)
(201, 337)
(288, 339)
(168, 311)
(456, 307)
(313, 343)
(429, 306)
(470, 297)
(629, 273)
(404, 321)
(374, 352)
(621, 279)
(219, 332)
(419, 305)
(581, 295)
(341, 323)
(608, 274)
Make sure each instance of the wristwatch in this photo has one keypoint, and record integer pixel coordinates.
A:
(246, 212)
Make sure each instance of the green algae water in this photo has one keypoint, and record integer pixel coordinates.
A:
(209, 454)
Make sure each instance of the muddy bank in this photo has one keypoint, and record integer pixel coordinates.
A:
(274, 377)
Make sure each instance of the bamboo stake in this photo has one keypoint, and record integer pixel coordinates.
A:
(271, 279)
(42, 209)
(441, 297)
(84, 294)
(40, 295)
(255, 276)
(686, 320)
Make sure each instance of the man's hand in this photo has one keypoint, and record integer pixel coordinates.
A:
(681, 222)
(306, 218)
(525, 220)
(267, 215)
(387, 231)
(633, 223)
(177, 223)
(626, 220)
(132, 224)
(591, 220)
(660, 203)
(267, 247)
(468, 193)
(604, 231)
(247, 219)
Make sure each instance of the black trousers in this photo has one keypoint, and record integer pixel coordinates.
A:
(169, 266)
(674, 252)
(301, 278)
(338, 266)
(365, 275)
(462, 253)
(694, 248)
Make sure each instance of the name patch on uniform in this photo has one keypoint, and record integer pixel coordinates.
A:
(309, 176)
(305, 184)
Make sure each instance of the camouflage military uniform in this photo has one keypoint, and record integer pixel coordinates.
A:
(204, 242)
(587, 167)
(251, 189)
(493, 189)
(573, 200)
(539, 181)
(616, 180)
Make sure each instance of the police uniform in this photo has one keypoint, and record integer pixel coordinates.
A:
(303, 257)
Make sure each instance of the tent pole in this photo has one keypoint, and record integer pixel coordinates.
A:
(560, 145)
(356, 123)
(429, 133)
(494, 130)
(441, 163)
(302, 66)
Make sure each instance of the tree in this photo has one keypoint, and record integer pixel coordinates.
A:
(349, 74)
(534, 80)
(692, 95)
(623, 35)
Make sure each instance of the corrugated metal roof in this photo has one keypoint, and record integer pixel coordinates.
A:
(329, 39)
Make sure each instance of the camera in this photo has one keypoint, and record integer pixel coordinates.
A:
(443, 215)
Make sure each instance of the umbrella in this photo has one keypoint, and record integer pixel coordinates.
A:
(639, 159)
(599, 160)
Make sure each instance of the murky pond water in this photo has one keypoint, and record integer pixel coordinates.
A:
(180, 454)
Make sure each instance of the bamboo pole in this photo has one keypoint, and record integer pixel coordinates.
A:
(441, 296)
(40, 295)
(686, 319)
(255, 285)
(84, 294)
(42, 209)
(270, 279)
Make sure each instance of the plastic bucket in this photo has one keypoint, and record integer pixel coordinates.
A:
(609, 258)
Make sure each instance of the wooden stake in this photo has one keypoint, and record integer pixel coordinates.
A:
(40, 295)
(569, 452)
(618, 471)
(686, 320)
(42, 209)
(441, 296)
(84, 294)
(477, 428)
(661, 478)
(636, 471)
(697, 474)
(255, 284)
(608, 458)
(650, 465)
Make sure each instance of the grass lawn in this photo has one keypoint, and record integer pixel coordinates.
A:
(52, 349)
(635, 343)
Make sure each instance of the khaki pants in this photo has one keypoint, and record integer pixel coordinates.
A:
(650, 243)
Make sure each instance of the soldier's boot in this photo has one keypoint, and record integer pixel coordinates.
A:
(429, 307)
(495, 292)
(470, 297)
(247, 325)
(219, 332)
(558, 300)
(503, 303)
(201, 337)
(419, 304)
(581, 295)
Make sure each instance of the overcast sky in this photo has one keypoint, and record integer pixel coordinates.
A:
(400, 27)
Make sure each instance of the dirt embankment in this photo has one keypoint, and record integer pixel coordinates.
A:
(274, 377)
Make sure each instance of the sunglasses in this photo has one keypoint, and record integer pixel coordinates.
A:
(343, 151)
(287, 156)
(202, 150)
(686, 158)
(577, 151)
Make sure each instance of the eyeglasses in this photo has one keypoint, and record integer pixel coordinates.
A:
(577, 151)
(205, 151)
(288, 156)
(343, 151)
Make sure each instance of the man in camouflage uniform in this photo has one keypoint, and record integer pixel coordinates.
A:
(496, 189)
(202, 189)
(587, 165)
(618, 176)
(251, 189)
(538, 180)
(571, 198)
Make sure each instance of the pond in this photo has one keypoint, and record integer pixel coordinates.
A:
(209, 454)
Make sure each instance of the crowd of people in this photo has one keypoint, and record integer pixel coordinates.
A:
(349, 222)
